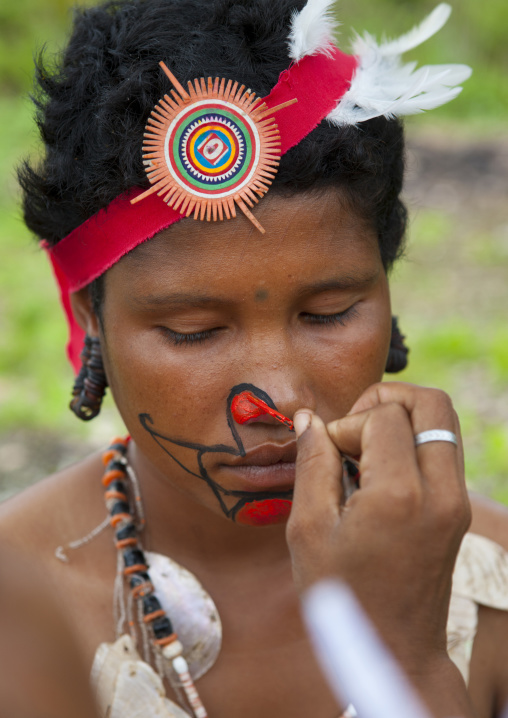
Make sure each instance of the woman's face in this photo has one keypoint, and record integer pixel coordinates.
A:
(301, 314)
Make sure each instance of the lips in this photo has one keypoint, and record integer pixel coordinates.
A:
(267, 455)
(270, 467)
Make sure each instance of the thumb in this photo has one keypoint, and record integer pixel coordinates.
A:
(318, 483)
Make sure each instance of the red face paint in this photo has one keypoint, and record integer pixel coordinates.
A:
(267, 512)
(247, 406)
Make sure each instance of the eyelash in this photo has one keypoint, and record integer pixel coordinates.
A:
(177, 338)
(341, 318)
(198, 337)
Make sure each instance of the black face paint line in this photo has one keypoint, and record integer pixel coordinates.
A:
(241, 498)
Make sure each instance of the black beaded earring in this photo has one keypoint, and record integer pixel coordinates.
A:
(90, 385)
(397, 356)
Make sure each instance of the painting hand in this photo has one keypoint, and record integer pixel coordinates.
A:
(396, 539)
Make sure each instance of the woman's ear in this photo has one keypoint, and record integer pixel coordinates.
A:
(84, 314)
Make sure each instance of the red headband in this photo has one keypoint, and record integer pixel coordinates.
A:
(317, 81)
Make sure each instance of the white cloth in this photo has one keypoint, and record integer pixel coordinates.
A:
(480, 579)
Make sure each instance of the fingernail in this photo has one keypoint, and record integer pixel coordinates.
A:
(302, 421)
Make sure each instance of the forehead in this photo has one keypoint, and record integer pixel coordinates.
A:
(305, 233)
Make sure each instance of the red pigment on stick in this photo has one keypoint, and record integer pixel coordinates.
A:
(246, 406)
(267, 512)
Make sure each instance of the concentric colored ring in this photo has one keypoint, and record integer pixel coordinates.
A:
(212, 149)
(219, 132)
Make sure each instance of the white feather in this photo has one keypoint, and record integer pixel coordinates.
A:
(312, 30)
(419, 34)
(382, 85)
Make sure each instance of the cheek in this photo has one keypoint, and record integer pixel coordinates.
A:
(344, 369)
(178, 389)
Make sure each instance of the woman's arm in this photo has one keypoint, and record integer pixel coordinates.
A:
(396, 540)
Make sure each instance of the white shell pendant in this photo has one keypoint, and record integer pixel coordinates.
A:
(124, 685)
(191, 610)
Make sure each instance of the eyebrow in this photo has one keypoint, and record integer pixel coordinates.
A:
(177, 299)
(182, 299)
(341, 284)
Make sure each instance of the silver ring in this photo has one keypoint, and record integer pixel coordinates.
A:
(435, 435)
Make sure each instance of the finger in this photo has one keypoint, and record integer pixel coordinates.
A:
(317, 491)
(440, 463)
(422, 404)
(383, 437)
(427, 409)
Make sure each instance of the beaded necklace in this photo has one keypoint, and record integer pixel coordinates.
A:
(154, 623)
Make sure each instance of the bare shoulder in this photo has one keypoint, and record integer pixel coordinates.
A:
(56, 509)
(490, 519)
(55, 512)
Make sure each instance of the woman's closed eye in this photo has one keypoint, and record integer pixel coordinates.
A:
(187, 338)
(178, 338)
(341, 318)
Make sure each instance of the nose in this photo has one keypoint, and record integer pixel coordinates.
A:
(272, 368)
(246, 407)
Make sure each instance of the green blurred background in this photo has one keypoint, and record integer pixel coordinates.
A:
(450, 292)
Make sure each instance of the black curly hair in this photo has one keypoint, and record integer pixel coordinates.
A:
(92, 107)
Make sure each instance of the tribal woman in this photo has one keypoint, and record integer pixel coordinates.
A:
(220, 200)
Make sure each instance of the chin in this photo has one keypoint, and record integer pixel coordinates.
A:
(265, 512)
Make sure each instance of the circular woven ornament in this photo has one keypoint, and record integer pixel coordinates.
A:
(211, 148)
